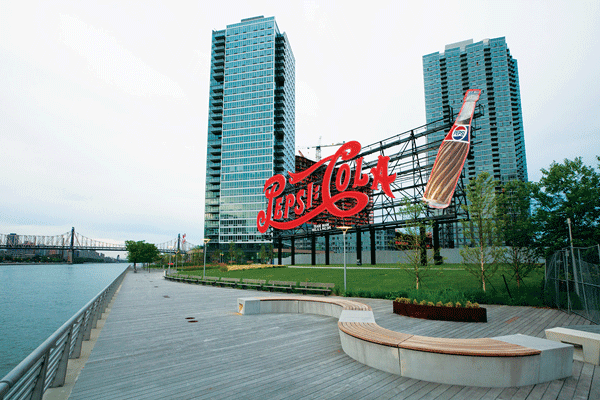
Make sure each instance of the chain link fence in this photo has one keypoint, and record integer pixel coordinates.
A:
(573, 281)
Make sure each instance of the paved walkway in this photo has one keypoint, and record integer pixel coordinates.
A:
(170, 340)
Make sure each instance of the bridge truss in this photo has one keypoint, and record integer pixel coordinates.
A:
(71, 241)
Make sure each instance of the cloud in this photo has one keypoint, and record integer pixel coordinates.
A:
(114, 64)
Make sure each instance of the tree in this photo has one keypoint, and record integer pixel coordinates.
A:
(568, 190)
(518, 229)
(235, 254)
(481, 229)
(266, 253)
(415, 235)
(141, 252)
(198, 254)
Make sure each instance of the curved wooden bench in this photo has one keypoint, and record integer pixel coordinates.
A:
(506, 361)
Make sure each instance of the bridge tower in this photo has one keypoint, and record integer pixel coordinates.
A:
(71, 247)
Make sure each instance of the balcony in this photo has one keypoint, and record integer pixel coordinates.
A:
(215, 144)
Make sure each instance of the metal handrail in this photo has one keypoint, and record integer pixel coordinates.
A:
(46, 366)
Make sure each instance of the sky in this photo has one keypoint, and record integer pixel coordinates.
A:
(104, 105)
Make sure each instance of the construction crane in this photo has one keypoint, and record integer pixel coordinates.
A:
(318, 148)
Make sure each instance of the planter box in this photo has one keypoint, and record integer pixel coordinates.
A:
(459, 314)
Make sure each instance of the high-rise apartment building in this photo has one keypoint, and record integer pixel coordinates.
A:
(251, 126)
(498, 146)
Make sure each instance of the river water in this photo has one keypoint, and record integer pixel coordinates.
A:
(37, 299)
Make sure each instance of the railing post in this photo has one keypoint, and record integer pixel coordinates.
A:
(97, 313)
(38, 389)
(88, 322)
(79, 340)
(61, 369)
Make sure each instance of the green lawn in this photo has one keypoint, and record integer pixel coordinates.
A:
(450, 283)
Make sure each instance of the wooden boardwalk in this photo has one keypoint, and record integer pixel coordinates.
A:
(169, 340)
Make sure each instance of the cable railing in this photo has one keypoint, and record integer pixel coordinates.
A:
(46, 366)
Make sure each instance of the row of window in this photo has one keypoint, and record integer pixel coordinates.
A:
(250, 42)
(247, 110)
(248, 117)
(259, 181)
(248, 145)
(246, 103)
(247, 153)
(250, 47)
(248, 96)
(238, 230)
(248, 199)
(245, 238)
(254, 207)
(257, 60)
(249, 138)
(255, 56)
(249, 26)
(237, 215)
(253, 164)
(230, 70)
(248, 75)
(248, 124)
(248, 131)
(248, 89)
(249, 85)
(242, 192)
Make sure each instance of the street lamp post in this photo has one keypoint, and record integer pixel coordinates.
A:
(344, 229)
(169, 262)
(205, 244)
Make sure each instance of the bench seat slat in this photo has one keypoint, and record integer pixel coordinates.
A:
(345, 304)
(469, 347)
(373, 333)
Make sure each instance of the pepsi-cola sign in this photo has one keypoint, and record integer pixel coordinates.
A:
(279, 207)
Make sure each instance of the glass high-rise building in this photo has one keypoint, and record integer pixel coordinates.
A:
(251, 126)
(499, 145)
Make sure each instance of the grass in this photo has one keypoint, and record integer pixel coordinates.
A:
(450, 283)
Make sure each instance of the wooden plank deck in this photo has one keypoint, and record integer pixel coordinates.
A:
(149, 350)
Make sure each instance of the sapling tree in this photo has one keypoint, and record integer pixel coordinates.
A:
(518, 230)
(415, 236)
(482, 230)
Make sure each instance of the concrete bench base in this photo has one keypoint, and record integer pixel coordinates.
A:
(547, 361)
(587, 344)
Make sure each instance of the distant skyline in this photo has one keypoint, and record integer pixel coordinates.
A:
(104, 105)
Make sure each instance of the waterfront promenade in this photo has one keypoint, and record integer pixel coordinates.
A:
(170, 340)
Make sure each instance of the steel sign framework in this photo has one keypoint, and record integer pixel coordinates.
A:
(410, 157)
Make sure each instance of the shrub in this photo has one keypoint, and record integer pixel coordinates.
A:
(457, 304)
(449, 304)
(430, 303)
(439, 304)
